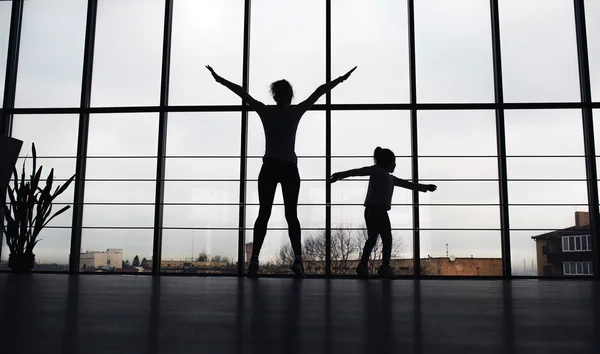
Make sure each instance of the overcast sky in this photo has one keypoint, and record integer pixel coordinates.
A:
(454, 64)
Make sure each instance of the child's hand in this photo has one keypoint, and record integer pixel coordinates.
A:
(430, 188)
(335, 177)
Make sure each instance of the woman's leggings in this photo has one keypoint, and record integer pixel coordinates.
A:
(272, 173)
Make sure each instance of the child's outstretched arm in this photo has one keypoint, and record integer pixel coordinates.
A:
(237, 89)
(363, 171)
(414, 186)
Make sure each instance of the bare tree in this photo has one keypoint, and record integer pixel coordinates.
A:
(346, 245)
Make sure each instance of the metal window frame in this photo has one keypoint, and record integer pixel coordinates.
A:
(501, 141)
(591, 171)
(414, 130)
(162, 139)
(10, 82)
(83, 136)
(244, 142)
(586, 105)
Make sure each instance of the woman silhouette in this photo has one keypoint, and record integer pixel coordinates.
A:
(280, 164)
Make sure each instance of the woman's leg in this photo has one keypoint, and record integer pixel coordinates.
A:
(267, 185)
(290, 187)
(372, 231)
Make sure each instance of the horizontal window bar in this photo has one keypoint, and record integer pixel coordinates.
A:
(323, 180)
(285, 228)
(224, 157)
(323, 204)
(318, 107)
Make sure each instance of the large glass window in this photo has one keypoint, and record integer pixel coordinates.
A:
(205, 32)
(372, 35)
(202, 193)
(539, 51)
(355, 135)
(128, 53)
(592, 14)
(289, 45)
(547, 188)
(120, 189)
(55, 150)
(5, 11)
(51, 53)
(453, 51)
(459, 225)
(460, 221)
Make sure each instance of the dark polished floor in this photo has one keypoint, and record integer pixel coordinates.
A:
(128, 314)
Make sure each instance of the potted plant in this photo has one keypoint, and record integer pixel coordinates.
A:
(28, 211)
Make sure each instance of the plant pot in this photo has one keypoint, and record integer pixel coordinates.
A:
(21, 262)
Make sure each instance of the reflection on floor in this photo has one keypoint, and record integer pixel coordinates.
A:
(142, 314)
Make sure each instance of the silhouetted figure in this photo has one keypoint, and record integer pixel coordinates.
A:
(280, 164)
(377, 204)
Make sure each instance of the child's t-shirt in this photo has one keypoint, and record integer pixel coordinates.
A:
(381, 187)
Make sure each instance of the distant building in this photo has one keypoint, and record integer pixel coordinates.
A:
(111, 258)
(567, 251)
(248, 251)
(461, 266)
(438, 266)
(179, 266)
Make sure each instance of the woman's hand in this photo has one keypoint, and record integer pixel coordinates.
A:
(347, 75)
(214, 74)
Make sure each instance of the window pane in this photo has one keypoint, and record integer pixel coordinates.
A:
(589, 242)
(121, 171)
(122, 251)
(573, 269)
(457, 133)
(183, 216)
(453, 51)
(56, 150)
(566, 268)
(592, 20)
(461, 253)
(543, 197)
(51, 253)
(289, 45)
(378, 28)
(442, 137)
(51, 53)
(586, 269)
(579, 268)
(200, 251)
(128, 53)
(572, 243)
(358, 133)
(123, 135)
(565, 243)
(578, 243)
(205, 32)
(584, 245)
(539, 52)
(5, 11)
